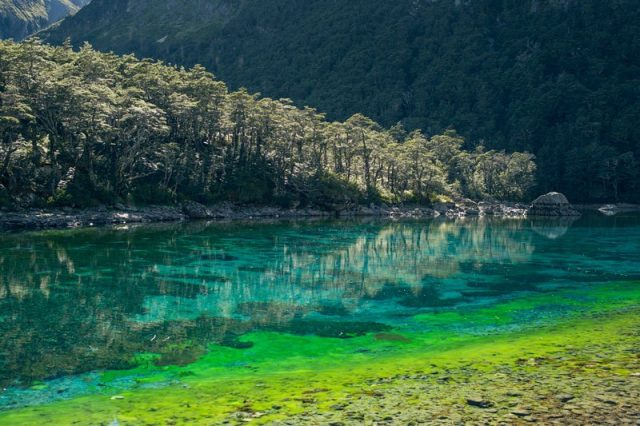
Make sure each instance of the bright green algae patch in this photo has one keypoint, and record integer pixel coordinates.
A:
(282, 374)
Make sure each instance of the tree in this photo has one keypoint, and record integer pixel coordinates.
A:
(85, 127)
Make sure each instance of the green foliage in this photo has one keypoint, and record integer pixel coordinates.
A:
(84, 128)
(545, 76)
(328, 189)
(250, 184)
(488, 174)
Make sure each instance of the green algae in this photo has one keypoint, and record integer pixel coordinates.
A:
(290, 372)
(206, 400)
(592, 298)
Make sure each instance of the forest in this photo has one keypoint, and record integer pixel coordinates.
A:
(83, 128)
(556, 78)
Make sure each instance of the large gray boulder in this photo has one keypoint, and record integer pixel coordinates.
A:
(552, 204)
(195, 210)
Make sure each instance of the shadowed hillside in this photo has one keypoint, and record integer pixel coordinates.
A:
(558, 78)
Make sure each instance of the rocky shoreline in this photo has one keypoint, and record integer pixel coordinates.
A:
(34, 219)
(538, 390)
(552, 204)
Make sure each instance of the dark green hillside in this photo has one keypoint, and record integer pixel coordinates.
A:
(560, 78)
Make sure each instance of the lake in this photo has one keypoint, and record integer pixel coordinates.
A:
(318, 321)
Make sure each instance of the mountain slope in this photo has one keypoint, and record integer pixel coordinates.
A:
(21, 18)
(556, 77)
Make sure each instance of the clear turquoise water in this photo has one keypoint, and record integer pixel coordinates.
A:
(76, 305)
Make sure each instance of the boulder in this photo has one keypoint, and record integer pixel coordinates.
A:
(471, 211)
(486, 208)
(443, 208)
(465, 207)
(479, 401)
(195, 210)
(552, 204)
(465, 202)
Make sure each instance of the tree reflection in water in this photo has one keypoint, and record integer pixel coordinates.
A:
(84, 300)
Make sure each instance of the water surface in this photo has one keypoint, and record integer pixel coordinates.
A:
(100, 311)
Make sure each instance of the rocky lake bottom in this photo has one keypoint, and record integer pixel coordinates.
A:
(426, 321)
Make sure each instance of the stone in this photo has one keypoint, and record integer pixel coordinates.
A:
(465, 203)
(443, 208)
(521, 412)
(478, 401)
(493, 208)
(552, 204)
(552, 198)
(195, 210)
(565, 397)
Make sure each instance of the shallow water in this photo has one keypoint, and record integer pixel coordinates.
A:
(101, 311)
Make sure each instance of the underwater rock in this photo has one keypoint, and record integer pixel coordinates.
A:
(565, 397)
(521, 412)
(332, 310)
(391, 337)
(479, 401)
(340, 330)
(180, 356)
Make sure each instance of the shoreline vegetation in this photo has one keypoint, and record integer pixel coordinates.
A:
(82, 129)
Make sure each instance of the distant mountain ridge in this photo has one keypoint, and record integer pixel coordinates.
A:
(21, 18)
(559, 78)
